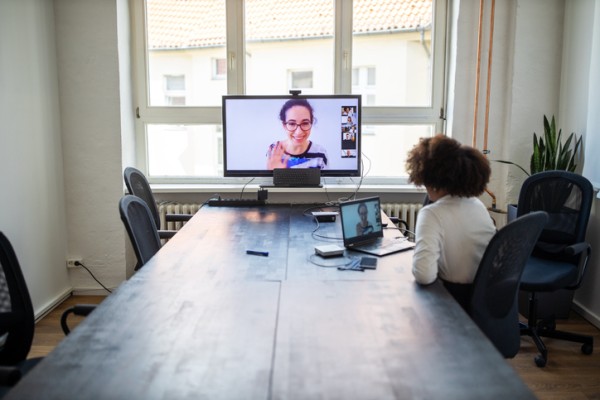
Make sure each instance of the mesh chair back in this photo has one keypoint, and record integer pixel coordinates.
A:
(494, 302)
(138, 185)
(140, 227)
(567, 198)
(16, 310)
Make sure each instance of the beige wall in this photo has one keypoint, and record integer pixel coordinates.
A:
(32, 204)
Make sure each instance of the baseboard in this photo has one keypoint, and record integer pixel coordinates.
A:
(90, 292)
(53, 304)
(591, 317)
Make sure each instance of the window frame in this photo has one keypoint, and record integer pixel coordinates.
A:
(235, 49)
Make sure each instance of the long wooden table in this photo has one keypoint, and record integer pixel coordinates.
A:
(205, 320)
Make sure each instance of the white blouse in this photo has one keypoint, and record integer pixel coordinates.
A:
(451, 237)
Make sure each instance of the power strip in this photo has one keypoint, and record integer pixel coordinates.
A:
(325, 216)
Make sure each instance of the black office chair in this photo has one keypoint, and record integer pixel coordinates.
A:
(560, 257)
(142, 232)
(493, 304)
(138, 185)
(138, 221)
(17, 322)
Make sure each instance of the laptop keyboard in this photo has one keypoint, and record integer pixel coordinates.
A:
(383, 243)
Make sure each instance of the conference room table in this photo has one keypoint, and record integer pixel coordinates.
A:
(205, 320)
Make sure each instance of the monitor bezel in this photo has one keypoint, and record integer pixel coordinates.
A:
(228, 173)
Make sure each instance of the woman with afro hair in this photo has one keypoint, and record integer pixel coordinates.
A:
(453, 231)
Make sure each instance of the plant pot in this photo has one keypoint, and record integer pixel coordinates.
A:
(511, 213)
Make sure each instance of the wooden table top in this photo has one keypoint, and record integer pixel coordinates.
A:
(203, 319)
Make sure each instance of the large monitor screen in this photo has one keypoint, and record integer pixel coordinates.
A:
(262, 133)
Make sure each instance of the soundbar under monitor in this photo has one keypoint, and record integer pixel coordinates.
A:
(261, 133)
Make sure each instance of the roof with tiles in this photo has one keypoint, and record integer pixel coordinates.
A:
(180, 24)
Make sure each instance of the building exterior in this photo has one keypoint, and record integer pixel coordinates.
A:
(288, 45)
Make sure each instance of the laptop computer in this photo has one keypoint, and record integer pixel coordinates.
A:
(362, 229)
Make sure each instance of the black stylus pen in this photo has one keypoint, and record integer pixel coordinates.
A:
(258, 253)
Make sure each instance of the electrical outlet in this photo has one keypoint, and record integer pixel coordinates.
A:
(72, 262)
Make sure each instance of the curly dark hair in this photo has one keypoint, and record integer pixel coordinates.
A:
(293, 103)
(442, 163)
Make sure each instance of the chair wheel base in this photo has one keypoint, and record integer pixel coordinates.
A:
(540, 361)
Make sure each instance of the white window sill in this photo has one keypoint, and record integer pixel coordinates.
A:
(253, 187)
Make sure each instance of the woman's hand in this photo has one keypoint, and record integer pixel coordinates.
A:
(276, 157)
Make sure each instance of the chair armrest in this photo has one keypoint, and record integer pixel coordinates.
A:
(401, 224)
(579, 249)
(82, 310)
(166, 234)
(178, 217)
(398, 221)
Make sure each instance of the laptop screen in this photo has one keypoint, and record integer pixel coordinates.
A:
(361, 220)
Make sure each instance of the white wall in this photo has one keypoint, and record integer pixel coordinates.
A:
(535, 81)
(32, 204)
(90, 98)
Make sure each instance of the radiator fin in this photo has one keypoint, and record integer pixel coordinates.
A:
(405, 211)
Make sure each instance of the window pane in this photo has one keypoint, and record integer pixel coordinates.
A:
(220, 68)
(175, 82)
(392, 42)
(184, 39)
(363, 82)
(288, 35)
(185, 150)
(386, 146)
(371, 76)
(301, 80)
(288, 45)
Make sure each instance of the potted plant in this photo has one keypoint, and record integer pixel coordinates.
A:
(549, 153)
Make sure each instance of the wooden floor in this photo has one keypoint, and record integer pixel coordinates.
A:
(568, 375)
(48, 332)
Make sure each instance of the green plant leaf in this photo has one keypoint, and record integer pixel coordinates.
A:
(571, 165)
(563, 160)
(536, 157)
(551, 139)
(549, 161)
(565, 154)
(549, 152)
(512, 163)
